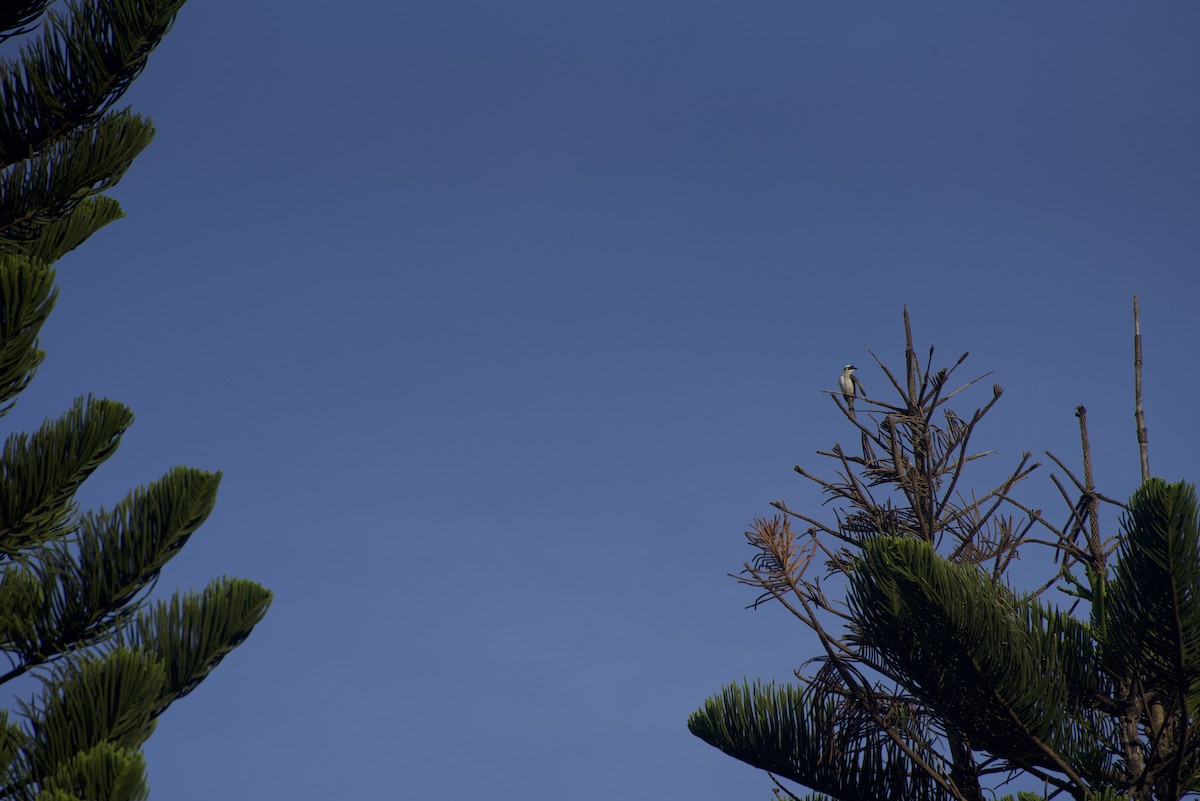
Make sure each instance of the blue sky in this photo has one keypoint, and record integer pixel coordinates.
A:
(503, 320)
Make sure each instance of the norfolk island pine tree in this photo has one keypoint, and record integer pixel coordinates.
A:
(939, 680)
(74, 613)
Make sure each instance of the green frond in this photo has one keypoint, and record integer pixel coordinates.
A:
(966, 645)
(88, 701)
(50, 241)
(27, 296)
(56, 795)
(106, 771)
(1190, 771)
(40, 472)
(192, 633)
(39, 190)
(1106, 794)
(92, 583)
(17, 17)
(21, 599)
(128, 545)
(1022, 795)
(805, 738)
(1154, 598)
(83, 61)
(12, 737)
(1077, 657)
(1088, 736)
(1027, 795)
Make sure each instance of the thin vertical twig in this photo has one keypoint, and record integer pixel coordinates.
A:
(911, 365)
(1091, 502)
(1138, 414)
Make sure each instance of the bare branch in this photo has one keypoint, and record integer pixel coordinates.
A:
(1138, 415)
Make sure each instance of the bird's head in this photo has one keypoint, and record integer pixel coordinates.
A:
(849, 368)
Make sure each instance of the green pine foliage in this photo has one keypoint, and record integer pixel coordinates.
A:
(941, 681)
(74, 611)
(796, 733)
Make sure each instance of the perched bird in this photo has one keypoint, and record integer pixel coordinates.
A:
(850, 386)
